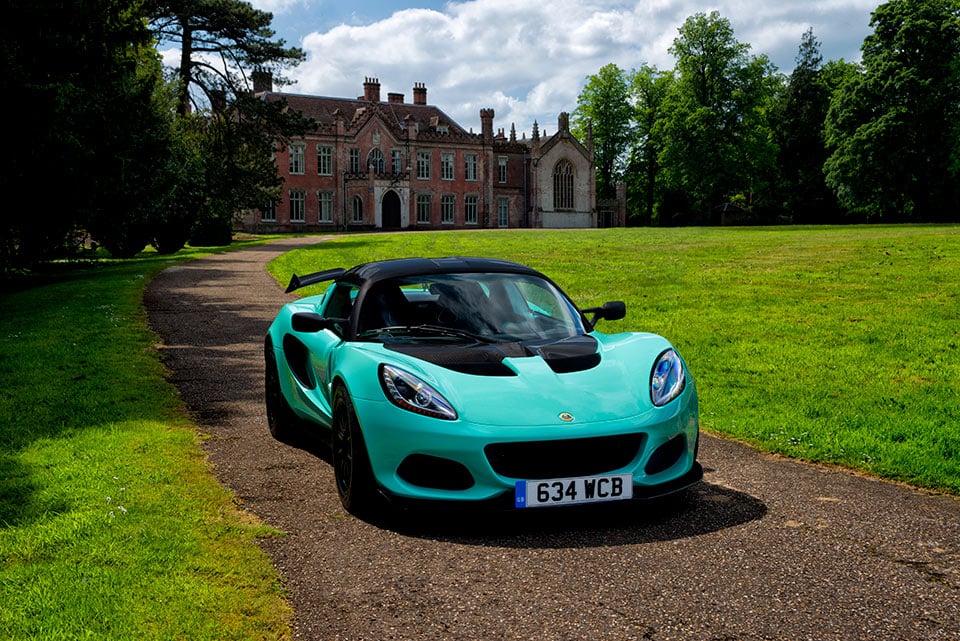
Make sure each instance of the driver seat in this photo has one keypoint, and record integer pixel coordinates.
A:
(385, 306)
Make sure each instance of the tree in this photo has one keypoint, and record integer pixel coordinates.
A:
(799, 135)
(224, 46)
(184, 187)
(84, 74)
(717, 149)
(240, 171)
(134, 173)
(649, 87)
(220, 41)
(893, 129)
(604, 109)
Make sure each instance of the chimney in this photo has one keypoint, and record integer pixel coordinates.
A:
(262, 81)
(395, 98)
(563, 122)
(486, 123)
(419, 93)
(371, 89)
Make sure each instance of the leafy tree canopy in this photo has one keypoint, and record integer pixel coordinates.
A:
(604, 111)
(893, 128)
(221, 43)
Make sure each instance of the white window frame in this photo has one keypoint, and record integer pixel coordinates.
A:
(423, 209)
(298, 206)
(448, 208)
(470, 162)
(563, 181)
(502, 169)
(297, 162)
(446, 166)
(376, 159)
(269, 212)
(325, 206)
(503, 212)
(357, 209)
(471, 209)
(324, 160)
(423, 165)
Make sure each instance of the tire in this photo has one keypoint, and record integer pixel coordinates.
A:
(284, 424)
(351, 463)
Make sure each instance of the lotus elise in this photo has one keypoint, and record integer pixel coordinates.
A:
(475, 379)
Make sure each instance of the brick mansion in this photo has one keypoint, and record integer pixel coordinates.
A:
(374, 164)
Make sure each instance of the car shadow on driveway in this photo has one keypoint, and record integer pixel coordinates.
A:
(701, 509)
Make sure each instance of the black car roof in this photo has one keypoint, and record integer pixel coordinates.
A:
(375, 271)
(400, 267)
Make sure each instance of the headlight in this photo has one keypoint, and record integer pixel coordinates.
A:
(410, 393)
(667, 378)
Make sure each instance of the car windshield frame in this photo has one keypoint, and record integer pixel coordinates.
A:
(481, 307)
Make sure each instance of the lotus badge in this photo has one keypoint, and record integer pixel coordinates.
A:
(566, 417)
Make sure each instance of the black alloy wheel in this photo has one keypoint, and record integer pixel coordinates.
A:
(351, 463)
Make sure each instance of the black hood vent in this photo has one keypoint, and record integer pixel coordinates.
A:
(573, 354)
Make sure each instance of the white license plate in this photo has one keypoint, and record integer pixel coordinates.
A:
(583, 489)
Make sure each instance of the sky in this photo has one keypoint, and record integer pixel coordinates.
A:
(529, 59)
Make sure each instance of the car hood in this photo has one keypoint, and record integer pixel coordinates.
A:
(591, 379)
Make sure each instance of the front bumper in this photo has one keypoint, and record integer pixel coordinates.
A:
(415, 457)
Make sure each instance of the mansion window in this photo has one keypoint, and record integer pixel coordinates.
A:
(354, 160)
(325, 199)
(447, 203)
(446, 166)
(470, 209)
(269, 212)
(423, 209)
(423, 165)
(471, 166)
(298, 205)
(396, 159)
(563, 185)
(296, 157)
(375, 159)
(324, 160)
(503, 212)
(357, 210)
(502, 169)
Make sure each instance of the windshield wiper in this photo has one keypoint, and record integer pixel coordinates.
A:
(426, 330)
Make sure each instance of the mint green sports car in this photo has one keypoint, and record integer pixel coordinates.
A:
(474, 379)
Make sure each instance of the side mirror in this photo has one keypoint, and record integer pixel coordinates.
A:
(311, 323)
(612, 310)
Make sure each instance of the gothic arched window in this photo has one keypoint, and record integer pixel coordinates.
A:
(563, 185)
(375, 159)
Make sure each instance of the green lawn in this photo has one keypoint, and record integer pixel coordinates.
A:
(111, 525)
(833, 344)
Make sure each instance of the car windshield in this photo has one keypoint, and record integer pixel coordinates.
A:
(476, 306)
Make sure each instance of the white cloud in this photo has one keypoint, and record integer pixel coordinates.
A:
(528, 60)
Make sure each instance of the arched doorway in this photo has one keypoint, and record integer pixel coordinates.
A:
(390, 210)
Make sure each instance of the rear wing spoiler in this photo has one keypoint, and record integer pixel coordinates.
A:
(296, 282)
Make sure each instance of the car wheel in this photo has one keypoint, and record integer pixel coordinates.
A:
(351, 463)
(282, 421)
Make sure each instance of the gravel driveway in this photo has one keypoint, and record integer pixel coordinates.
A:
(765, 548)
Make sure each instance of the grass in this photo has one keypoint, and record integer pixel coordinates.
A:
(838, 345)
(834, 344)
(111, 524)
